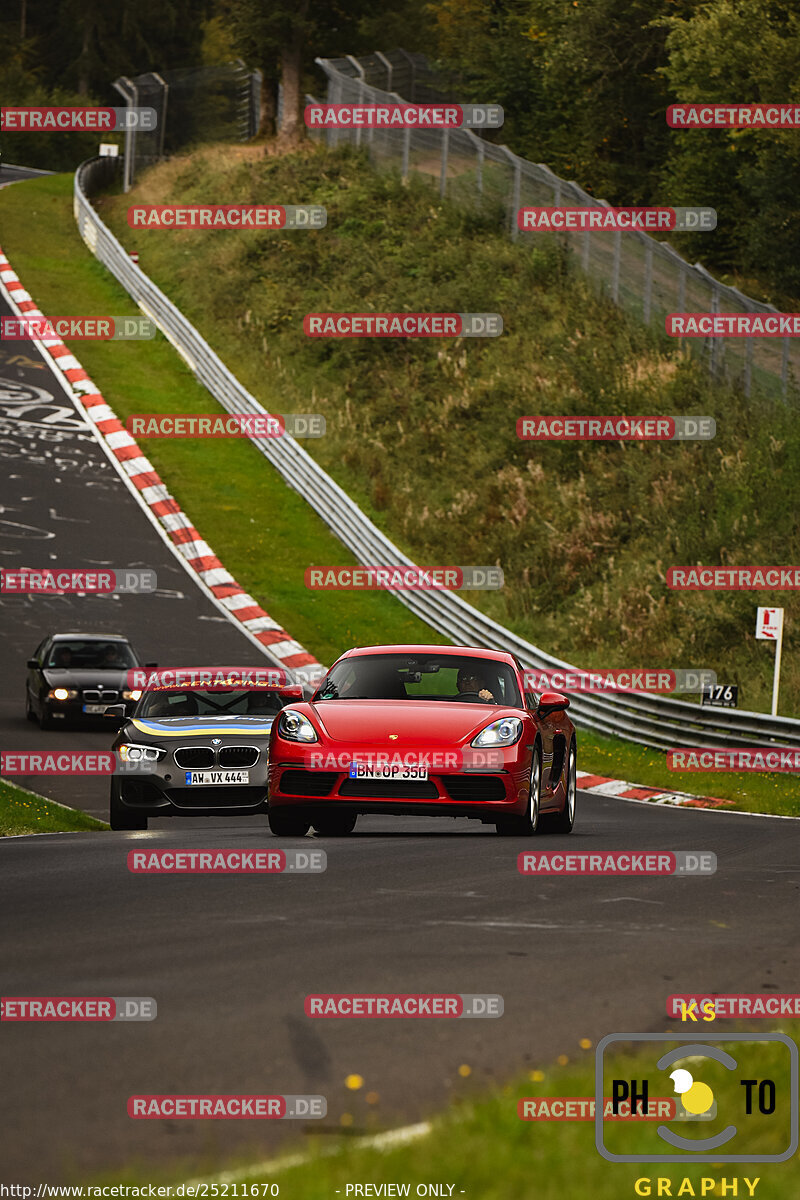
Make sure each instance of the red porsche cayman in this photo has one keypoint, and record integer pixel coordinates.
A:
(428, 730)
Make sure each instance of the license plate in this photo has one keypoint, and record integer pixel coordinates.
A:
(95, 709)
(216, 778)
(360, 770)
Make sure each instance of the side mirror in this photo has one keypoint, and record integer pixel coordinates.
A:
(115, 712)
(32, 664)
(151, 664)
(551, 702)
(292, 691)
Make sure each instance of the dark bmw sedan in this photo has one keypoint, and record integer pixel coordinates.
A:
(73, 677)
(192, 751)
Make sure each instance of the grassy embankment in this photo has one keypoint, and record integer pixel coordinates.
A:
(584, 532)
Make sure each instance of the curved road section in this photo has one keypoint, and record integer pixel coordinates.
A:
(62, 504)
(405, 905)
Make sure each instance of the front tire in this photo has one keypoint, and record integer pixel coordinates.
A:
(45, 720)
(285, 823)
(336, 824)
(30, 715)
(527, 825)
(121, 817)
(563, 822)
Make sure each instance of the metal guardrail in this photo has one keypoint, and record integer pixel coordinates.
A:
(655, 721)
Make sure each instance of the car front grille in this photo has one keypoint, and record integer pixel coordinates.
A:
(196, 758)
(217, 797)
(390, 789)
(100, 695)
(474, 787)
(238, 756)
(308, 783)
(200, 758)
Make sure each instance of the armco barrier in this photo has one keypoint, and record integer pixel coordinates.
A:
(655, 721)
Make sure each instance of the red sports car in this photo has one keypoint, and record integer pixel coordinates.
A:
(429, 730)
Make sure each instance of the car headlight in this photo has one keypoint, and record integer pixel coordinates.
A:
(504, 732)
(295, 727)
(131, 752)
(136, 694)
(62, 694)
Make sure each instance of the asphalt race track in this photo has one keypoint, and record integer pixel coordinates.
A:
(229, 959)
(63, 504)
(405, 905)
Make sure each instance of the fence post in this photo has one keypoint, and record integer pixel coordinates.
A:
(648, 279)
(443, 168)
(615, 273)
(784, 369)
(388, 66)
(515, 191)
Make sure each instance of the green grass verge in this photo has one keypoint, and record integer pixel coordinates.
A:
(22, 811)
(757, 792)
(485, 1150)
(263, 531)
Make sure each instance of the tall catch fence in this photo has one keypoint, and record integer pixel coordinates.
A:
(644, 276)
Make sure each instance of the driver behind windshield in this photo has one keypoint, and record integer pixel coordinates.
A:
(470, 679)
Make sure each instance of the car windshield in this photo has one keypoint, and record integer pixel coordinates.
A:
(74, 654)
(191, 702)
(470, 680)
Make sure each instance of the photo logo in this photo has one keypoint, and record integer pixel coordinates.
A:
(727, 1121)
